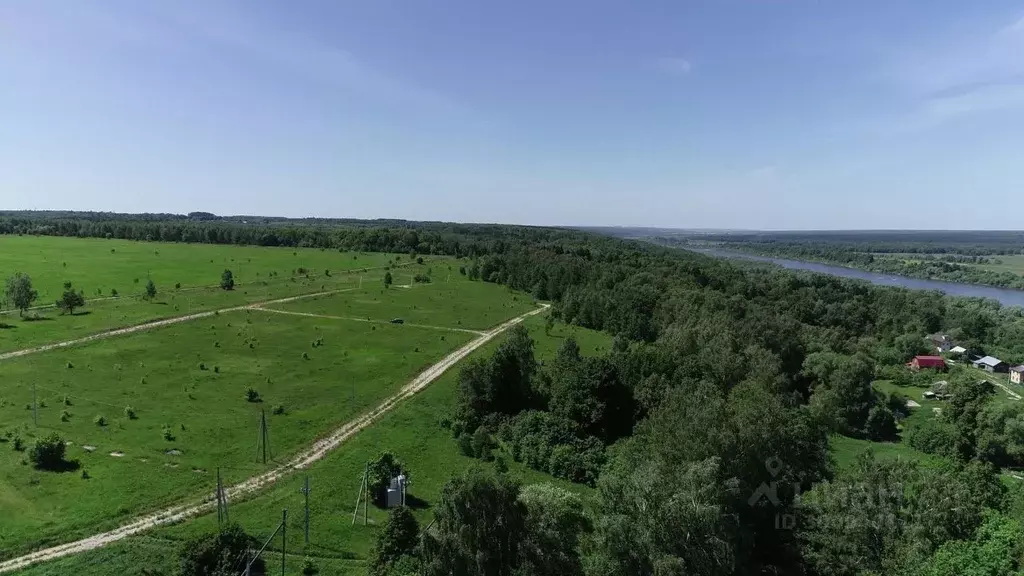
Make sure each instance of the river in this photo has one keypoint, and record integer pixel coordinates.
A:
(1005, 296)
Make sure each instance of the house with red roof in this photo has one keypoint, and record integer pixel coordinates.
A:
(931, 362)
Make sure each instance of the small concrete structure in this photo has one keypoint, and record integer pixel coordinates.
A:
(396, 492)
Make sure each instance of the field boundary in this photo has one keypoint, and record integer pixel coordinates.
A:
(315, 452)
(368, 320)
(151, 324)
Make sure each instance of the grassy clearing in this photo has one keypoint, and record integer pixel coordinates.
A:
(845, 451)
(1013, 263)
(458, 303)
(191, 380)
(412, 431)
(96, 266)
(105, 315)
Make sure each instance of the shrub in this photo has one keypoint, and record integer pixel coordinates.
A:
(67, 401)
(177, 285)
(216, 369)
(167, 434)
(305, 356)
(933, 436)
(65, 416)
(227, 280)
(202, 366)
(129, 413)
(85, 475)
(99, 421)
(113, 292)
(48, 453)
(309, 567)
(69, 365)
(278, 409)
(218, 553)
(421, 279)
(17, 443)
(483, 444)
(465, 443)
(252, 395)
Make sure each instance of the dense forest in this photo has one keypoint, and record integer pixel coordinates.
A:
(705, 430)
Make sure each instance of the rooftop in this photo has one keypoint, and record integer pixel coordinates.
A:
(988, 361)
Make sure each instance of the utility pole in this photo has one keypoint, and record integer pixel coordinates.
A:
(35, 407)
(366, 498)
(222, 501)
(305, 492)
(284, 538)
(263, 441)
(359, 497)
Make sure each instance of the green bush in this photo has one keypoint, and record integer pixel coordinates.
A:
(65, 416)
(278, 409)
(252, 395)
(99, 421)
(129, 413)
(48, 453)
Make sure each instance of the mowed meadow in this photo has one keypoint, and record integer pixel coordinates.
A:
(149, 417)
(186, 277)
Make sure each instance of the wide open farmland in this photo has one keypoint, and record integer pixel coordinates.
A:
(97, 266)
(261, 275)
(455, 302)
(149, 416)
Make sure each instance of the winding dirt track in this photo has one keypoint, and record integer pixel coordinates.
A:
(318, 450)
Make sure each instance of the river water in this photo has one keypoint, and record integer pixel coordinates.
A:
(1005, 296)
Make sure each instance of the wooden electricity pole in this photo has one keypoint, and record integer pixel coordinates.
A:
(305, 492)
(263, 441)
(284, 538)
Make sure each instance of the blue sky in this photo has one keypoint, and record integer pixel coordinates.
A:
(769, 114)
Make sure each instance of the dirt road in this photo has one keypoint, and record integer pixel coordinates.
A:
(318, 450)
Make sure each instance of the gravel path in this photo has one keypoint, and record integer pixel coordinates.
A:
(318, 450)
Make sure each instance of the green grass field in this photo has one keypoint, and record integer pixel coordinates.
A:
(92, 267)
(459, 303)
(96, 266)
(412, 431)
(1013, 263)
(159, 374)
(190, 378)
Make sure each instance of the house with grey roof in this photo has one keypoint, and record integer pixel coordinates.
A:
(991, 364)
